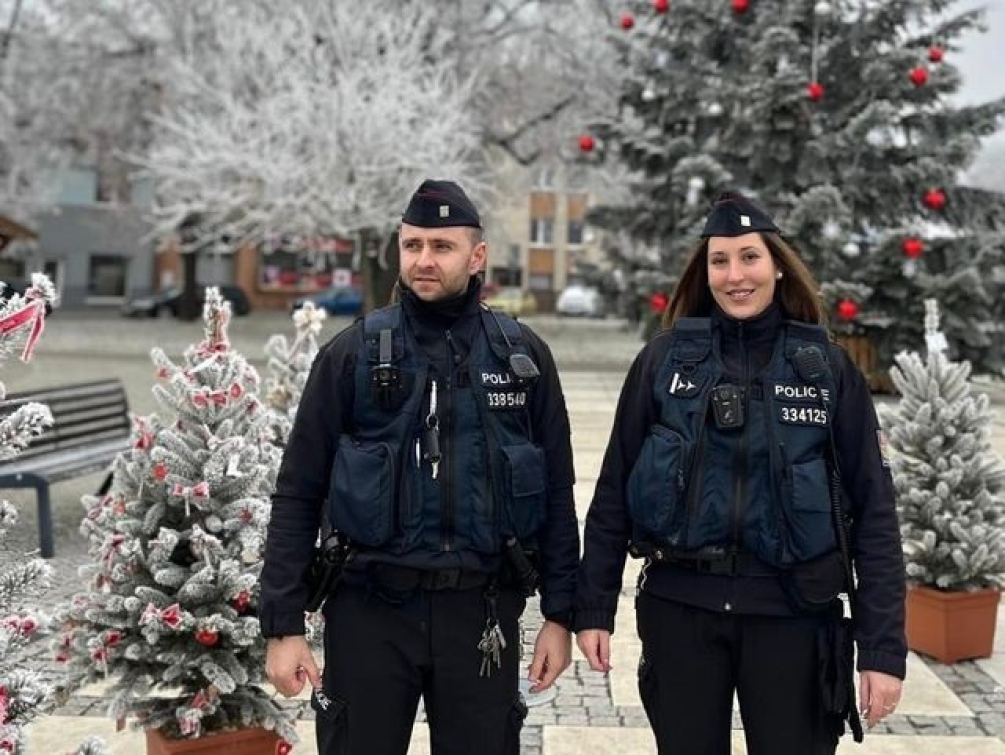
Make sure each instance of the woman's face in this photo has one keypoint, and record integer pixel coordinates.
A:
(741, 274)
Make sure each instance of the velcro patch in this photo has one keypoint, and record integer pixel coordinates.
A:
(799, 392)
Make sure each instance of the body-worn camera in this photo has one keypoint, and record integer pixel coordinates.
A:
(727, 406)
(386, 386)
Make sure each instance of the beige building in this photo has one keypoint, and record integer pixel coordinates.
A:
(538, 235)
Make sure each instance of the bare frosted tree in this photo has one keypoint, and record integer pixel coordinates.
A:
(308, 118)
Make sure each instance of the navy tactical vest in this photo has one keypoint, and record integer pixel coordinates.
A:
(762, 488)
(491, 481)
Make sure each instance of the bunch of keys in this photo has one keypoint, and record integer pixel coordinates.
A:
(491, 645)
(431, 435)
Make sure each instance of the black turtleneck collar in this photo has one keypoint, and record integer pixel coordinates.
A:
(745, 346)
(442, 312)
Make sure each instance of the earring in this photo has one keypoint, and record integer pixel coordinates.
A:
(778, 275)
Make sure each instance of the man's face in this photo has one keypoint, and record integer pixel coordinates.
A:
(436, 263)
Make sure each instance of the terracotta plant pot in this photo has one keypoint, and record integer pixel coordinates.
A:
(237, 742)
(952, 626)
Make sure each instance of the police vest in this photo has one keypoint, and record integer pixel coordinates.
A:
(762, 488)
(491, 480)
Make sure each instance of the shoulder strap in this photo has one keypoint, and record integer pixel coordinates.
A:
(382, 336)
(691, 338)
(504, 333)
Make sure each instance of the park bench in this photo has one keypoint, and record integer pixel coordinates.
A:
(90, 427)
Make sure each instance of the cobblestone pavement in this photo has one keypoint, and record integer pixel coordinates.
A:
(591, 713)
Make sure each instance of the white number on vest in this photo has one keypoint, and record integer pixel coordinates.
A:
(803, 415)
(507, 399)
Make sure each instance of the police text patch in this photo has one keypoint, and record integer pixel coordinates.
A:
(803, 415)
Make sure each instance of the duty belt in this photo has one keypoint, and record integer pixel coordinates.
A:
(406, 578)
(724, 564)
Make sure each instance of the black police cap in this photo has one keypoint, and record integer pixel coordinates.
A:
(733, 214)
(440, 204)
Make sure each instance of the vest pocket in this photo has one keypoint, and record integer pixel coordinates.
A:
(362, 491)
(527, 480)
(657, 482)
(811, 531)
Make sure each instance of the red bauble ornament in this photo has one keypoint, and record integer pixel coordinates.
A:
(658, 302)
(935, 199)
(740, 6)
(283, 747)
(586, 143)
(815, 91)
(919, 76)
(847, 309)
(207, 637)
(936, 54)
(913, 248)
(242, 600)
(160, 470)
(661, 6)
(627, 21)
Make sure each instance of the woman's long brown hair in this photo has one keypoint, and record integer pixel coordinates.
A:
(797, 292)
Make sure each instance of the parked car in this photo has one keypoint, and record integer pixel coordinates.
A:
(166, 302)
(513, 301)
(18, 286)
(580, 301)
(345, 301)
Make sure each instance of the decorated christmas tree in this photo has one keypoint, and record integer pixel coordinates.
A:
(838, 117)
(289, 365)
(176, 543)
(950, 484)
(23, 693)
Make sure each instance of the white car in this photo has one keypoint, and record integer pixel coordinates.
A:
(580, 301)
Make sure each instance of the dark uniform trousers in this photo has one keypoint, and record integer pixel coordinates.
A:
(385, 651)
(693, 659)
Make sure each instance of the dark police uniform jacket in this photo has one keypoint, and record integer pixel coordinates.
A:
(738, 489)
(340, 439)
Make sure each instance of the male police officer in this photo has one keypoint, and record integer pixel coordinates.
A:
(437, 431)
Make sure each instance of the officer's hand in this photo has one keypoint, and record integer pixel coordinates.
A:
(878, 695)
(595, 645)
(552, 655)
(288, 661)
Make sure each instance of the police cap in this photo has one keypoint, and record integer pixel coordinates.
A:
(733, 214)
(439, 204)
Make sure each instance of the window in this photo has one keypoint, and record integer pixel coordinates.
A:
(545, 177)
(106, 276)
(575, 231)
(541, 282)
(304, 263)
(542, 230)
(506, 276)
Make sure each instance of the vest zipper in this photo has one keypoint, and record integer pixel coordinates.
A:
(447, 460)
(740, 460)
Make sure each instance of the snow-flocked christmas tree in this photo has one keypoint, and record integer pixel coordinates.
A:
(177, 544)
(949, 482)
(290, 364)
(24, 693)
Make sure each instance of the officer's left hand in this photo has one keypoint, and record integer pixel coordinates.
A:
(552, 655)
(878, 695)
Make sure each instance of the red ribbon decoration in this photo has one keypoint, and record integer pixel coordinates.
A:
(33, 312)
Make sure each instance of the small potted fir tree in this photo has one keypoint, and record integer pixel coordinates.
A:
(950, 488)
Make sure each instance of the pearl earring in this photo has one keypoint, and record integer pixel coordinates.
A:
(778, 275)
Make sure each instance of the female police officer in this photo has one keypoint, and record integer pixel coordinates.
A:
(731, 427)
(442, 429)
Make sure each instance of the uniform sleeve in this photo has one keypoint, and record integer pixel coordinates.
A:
(608, 526)
(876, 544)
(302, 487)
(559, 536)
